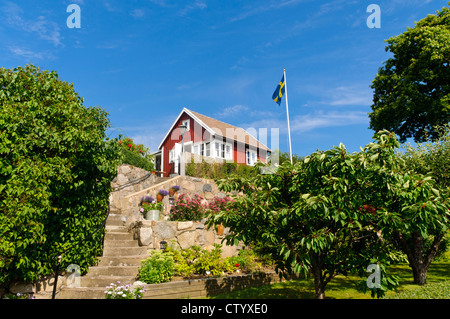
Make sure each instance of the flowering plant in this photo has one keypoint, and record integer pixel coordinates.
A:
(148, 203)
(123, 292)
(163, 192)
(186, 208)
(218, 204)
(176, 188)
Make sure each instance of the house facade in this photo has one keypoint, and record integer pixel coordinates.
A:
(208, 139)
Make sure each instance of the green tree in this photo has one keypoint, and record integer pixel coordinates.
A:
(419, 232)
(411, 90)
(56, 166)
(334, 212)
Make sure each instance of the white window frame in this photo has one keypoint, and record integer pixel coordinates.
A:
(251, 157)
(187, 124)
(220, 150)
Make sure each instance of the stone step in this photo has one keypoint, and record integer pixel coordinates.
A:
(112, 271)
(115, 220)
(121, 243)
(115, 229)
(103, 281)
(111, 236)
(125, 251)
(82, 293)
(121, 261)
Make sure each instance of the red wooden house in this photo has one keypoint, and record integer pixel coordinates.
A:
(210, 138)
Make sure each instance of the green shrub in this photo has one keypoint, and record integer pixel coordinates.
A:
(159, 267)
(56, 167)
(134, 159)
(246, 261)
(219, 171)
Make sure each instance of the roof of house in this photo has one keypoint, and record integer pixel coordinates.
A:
(218, 128)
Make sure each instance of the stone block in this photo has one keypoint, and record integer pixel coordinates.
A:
(184, 225)
(186, 239)
(164, 230)
(145, 236)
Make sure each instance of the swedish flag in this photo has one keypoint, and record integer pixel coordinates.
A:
(279, 91)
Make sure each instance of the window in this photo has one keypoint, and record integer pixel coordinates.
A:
(217, 144)
(228, 151)
(186, 123)
(251, 157)
(197, 149)
(207, 149)
(188, 147)
(171, 156)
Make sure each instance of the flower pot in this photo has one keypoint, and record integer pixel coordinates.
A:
(219, 229)
(152, 215)
(172, 192)
(159, 197)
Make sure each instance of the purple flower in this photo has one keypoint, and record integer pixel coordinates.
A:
(163, 192)
(147, 199)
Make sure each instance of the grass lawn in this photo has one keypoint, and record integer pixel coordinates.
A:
(342, 287)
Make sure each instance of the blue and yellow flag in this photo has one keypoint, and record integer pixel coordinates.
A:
(279, 91)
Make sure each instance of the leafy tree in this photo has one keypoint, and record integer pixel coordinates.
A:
(412, 90)
(332, 213)
(423, 240)
(55, 172)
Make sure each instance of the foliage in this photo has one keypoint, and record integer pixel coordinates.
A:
(186, 208)
(217, 170)
(247, 261)
(128, 144)
(159, 267)
(325, 215)
(195, 260)
(411, 91)
(136, 160)
(284, 157)
(135, 154)
(431, 157)
(123, 292)
(147, 206)
(56, 165)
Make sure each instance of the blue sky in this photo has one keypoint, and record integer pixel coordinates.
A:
(143, 61)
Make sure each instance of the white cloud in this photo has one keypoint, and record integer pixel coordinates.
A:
(28, 54)
(137, 13)
(311, 121)
(232, 111)
(44, 28)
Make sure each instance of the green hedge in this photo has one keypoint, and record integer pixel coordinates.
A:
(56, 166)
(136, 160)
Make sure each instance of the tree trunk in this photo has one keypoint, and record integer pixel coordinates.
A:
(417, 261)
(319, 283)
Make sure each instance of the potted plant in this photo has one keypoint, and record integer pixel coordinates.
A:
(173, 190)
(150, 209)
(161, 194)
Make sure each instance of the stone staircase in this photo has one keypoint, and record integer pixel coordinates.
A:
(120, 262)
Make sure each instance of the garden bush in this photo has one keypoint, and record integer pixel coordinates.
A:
(159, 267)
(135, 154)
(56, 165)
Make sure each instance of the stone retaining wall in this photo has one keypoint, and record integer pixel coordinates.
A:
(198, 288)
(180, 235)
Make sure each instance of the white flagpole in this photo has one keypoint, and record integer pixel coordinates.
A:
(287, 112)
